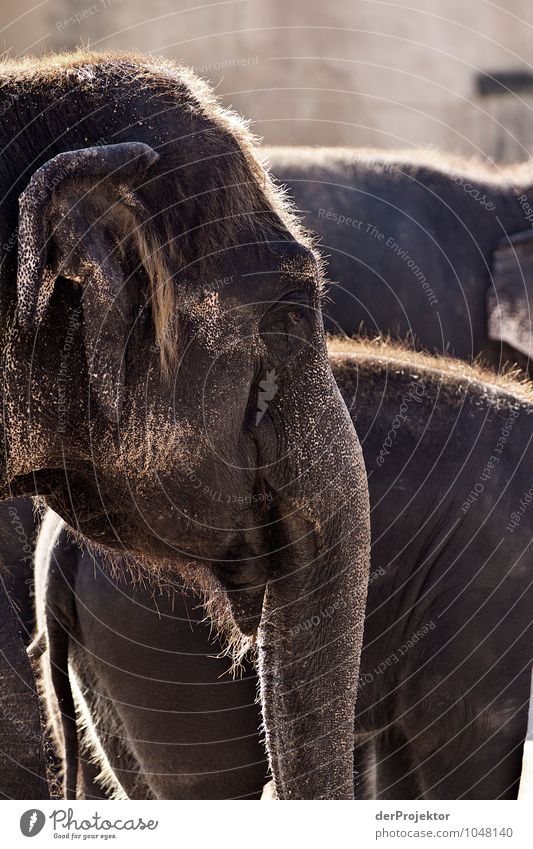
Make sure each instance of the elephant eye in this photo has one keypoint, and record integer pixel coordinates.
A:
(285, 327)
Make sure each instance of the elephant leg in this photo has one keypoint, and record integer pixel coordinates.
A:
(396, 774)
(481, 760)
(385, 767)
(23, 773)
(108, 769)
(364, 768)
(89, 774)
(98, 782)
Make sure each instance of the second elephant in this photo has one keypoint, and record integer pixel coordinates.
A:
(421, 246)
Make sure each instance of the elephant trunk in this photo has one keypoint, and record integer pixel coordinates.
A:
(310, 635)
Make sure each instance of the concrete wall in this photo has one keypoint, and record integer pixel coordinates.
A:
(384, 73)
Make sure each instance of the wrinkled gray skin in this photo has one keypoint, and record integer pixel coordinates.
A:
(445, 670)
(22, 766)
(22, 754)
(124, 180)
(421, 246)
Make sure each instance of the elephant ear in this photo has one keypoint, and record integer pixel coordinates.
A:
(72, 216)
(510, 297)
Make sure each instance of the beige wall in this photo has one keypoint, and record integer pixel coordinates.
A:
(362, 72)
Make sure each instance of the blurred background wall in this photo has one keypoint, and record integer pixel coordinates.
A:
(381, 73)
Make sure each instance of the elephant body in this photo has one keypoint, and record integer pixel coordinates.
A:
(445, 676)
(419, 246)
(132, 381)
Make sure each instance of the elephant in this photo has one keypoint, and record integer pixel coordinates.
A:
(416, 283)
(444, 684)
(135, 386)
(420, 246)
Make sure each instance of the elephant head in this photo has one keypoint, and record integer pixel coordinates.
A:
(199, 416)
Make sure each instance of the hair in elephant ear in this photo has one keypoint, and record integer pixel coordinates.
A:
(145, 243)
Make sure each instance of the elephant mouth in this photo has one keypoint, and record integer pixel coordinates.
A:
(250, 565)
(244, 573)
(246, 605)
